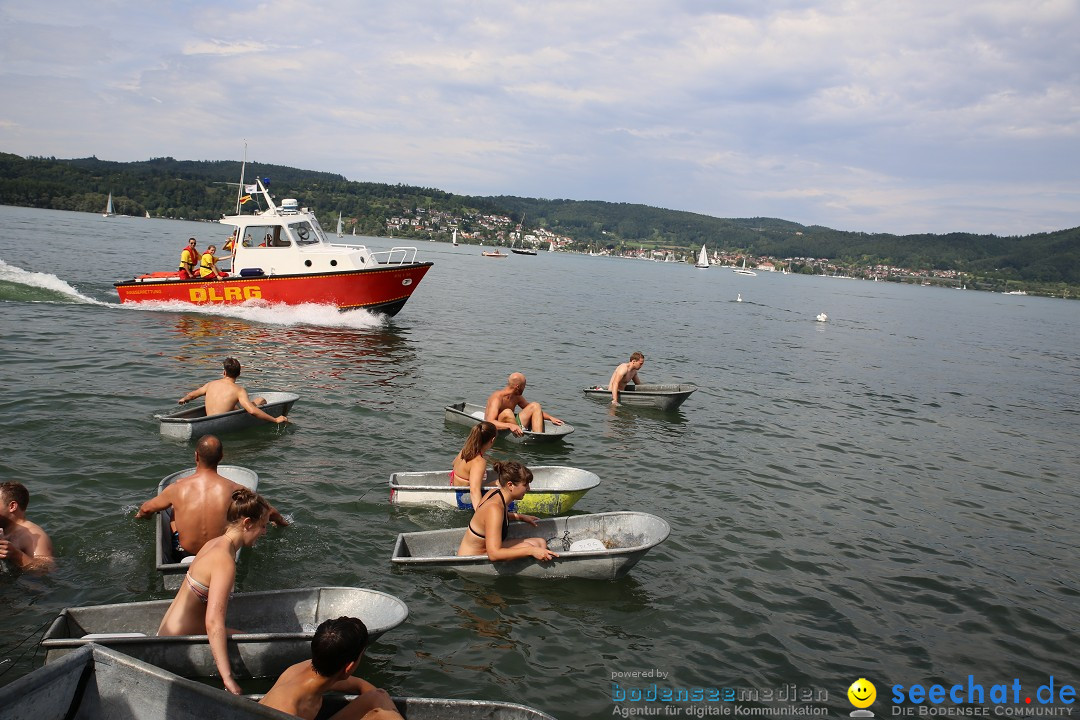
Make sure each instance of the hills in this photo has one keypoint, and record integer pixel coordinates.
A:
(200, 190)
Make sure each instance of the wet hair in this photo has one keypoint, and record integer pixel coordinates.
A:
(232, 367)
(636, 356)
(513, 472)
(15, 491)
(209, 450)
(480, 436)
(337, 643)
(246, 504)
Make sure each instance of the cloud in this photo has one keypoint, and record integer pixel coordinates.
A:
(906, 116)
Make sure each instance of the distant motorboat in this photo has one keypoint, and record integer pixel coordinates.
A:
(703, 259)
(522, 251)
(742, 270)
(494, 254)
(1015, 292)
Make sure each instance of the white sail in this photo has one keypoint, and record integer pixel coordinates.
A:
(551, 246)
(455, 237)
(703, 258)
(340, 232)
(108, 208)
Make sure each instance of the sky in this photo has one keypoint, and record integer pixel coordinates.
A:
(899, 116)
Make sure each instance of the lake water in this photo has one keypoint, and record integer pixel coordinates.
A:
(891, 494)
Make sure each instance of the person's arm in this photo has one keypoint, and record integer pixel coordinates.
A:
(531, 519)
(39, 557)
(614, 383)
(277, 518)
(43, 558)
(156, 505)
(552, 418)
(252, 408)
(493, 542)
(491, 414)
(193, 394)
(477, 475)
(223, 574)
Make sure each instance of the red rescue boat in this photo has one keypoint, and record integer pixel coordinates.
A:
(282, 255)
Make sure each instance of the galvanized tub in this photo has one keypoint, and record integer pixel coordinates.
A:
(97, 683)
(660, 397)
(465, 413)
(192, 423)
(279, 625)
(554, 489)
(172, 571)
(626, 537)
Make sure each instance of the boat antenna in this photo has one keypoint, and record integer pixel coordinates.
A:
(240, 190)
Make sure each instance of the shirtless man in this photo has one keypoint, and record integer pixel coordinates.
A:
(336, 650)
(199, 502)
(22, 543)
(502, 404)
(224, 395)
(624, 374)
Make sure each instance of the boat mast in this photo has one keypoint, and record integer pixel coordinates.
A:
(240, 190)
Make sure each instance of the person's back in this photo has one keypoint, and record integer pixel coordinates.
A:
(200, 502)
(336, 650)
(222, 395)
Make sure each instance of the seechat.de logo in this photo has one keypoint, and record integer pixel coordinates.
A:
(862, 694)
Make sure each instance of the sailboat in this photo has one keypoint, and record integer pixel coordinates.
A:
(551, 246)
(703, 259)
(454, 239)
(742, 270)
(340, 231)
(108, 208)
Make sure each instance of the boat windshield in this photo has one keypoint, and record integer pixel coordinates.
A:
(304, 233)
(265, 236)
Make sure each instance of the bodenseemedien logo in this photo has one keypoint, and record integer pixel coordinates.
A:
(862, 694)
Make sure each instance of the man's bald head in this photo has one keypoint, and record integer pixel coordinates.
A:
(516, 381)
(209, 452)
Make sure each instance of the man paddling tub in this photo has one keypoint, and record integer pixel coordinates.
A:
(22, 543)
(336, 650)
(200, 502)
(224, 395)
(502, 406)
(623, 374)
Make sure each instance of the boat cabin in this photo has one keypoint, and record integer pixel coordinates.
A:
(288, 240)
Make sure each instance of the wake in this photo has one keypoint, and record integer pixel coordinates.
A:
(26, 286)
(17, 284)
(271, 314)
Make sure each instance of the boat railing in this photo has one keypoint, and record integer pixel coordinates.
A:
(395, 256)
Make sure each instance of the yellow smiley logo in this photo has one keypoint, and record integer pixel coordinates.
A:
(862, 693)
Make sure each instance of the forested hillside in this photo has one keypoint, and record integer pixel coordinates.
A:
(201, 190)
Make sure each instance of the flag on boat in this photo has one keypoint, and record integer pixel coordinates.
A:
(251, 188)
(246, 198)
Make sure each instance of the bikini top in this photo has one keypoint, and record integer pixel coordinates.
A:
(506, 517)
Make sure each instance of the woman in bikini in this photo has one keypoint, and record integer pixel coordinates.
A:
(470, 465)
(491, 521)
(200, 605)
